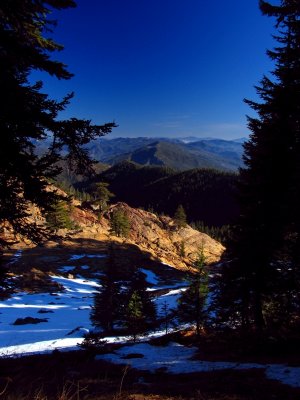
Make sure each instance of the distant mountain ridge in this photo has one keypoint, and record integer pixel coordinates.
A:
(176, 156)
(179, 154)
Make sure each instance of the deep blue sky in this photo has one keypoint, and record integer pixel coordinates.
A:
(163, 67)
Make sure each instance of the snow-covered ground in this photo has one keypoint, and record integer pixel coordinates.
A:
(65, 320)
(65, 314)
(175, 358)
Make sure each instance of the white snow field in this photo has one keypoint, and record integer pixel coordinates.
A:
(66, 313)
(65, 320)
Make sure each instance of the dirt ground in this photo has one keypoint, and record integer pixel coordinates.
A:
(49, 258)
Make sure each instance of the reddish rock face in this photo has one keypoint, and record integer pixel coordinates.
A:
(160, 236)
(157, 235)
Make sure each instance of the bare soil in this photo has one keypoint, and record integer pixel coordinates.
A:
(36, 263)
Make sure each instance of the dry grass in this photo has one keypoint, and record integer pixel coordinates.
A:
(77, 376)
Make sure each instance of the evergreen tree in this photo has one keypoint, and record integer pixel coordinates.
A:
(180, 217)
(108, 300)
(167, 316)
(102, 195)
(28, 116)
(119, 223)
(182, 249)
(59, 216)
(192, 305)
(135, 318)
(261, 282)
(140, 311)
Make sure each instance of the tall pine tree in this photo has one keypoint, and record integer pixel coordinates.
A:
(119, 223)
(60, 216)
(28, 116)
(180, 217)
(260, 285)
(140, 311)
(192, 307)
(107, 310)
(102, 195)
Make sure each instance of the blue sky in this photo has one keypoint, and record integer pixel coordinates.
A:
(163, 67)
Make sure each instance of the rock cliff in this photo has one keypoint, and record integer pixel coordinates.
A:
(156, 235)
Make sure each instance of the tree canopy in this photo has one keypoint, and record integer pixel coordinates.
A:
(119, 223)
(192, 307)
(260, 284)
(180, 217)
(28, 115)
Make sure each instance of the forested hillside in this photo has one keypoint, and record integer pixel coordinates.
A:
(207, 195)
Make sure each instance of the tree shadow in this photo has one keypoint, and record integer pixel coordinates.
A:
(53, 257)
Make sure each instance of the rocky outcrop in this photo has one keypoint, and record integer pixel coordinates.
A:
(160, 236)
(156, 235)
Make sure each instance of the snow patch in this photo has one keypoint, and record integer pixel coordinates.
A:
(69, 320)
(176, 359)
(70, 309)
(151, 277)
(79, 256)
(16, 257)
(67, 268)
